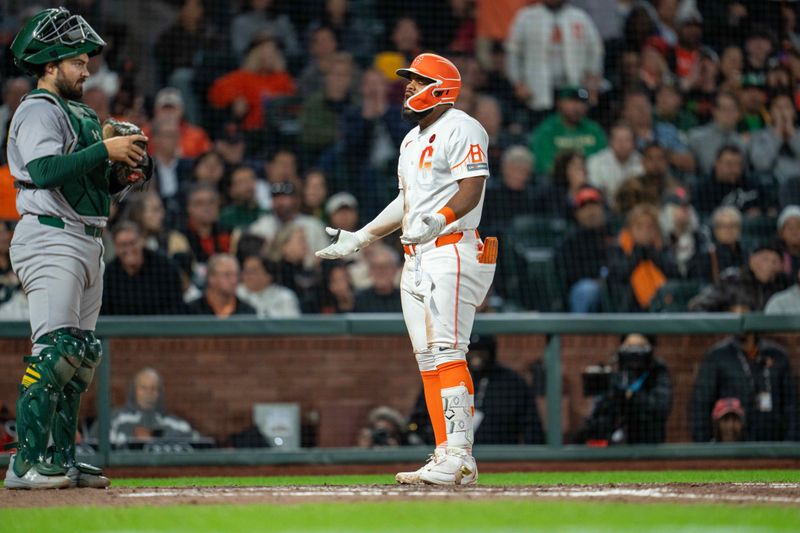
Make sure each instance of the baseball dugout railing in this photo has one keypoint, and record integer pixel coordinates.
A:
(328, 374)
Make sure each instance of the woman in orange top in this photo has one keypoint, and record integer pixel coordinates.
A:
(639, 265)
(245, 91)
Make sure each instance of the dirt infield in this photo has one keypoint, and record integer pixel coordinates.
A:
(486, 467)
(782, 494)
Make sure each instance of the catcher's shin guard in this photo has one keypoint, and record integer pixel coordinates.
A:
(46, 376)
(65, 424)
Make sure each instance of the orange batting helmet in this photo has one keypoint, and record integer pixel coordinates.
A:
(445, 78)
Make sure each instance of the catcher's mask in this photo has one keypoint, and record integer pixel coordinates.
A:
(445, 82)
(53, 35)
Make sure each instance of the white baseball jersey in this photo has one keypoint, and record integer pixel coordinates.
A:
(431, 163)
(442, 285)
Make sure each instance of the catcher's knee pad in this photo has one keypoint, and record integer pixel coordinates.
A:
(425, 361)
(56, 363)
(85, 373)
(447, 354)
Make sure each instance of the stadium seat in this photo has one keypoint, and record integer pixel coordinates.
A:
(674, 295)
(758, 230)
(538, 231)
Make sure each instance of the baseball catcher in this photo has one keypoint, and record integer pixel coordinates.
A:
(65, 170)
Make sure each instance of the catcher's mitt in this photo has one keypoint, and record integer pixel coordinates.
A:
(120, 172)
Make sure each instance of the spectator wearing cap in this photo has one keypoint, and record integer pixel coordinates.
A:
(728, 185)
(726, 231)
(638, 112)
(686, 243)
(775, 150)
(582, 257)
(262, 75)
(639, 264)
(566, 129)
(754, 282)
(258, 288)
(384, 295)
(139, 281)
(550, 46)
(169, 105)
(321, 116)
(372, 131)
(515, 194)
(684, 58)
(243, 208)
(219, 298)
(758, 374)
(728, 419)
(753, 100)
(285, 211)
(341, 209)
(203, 230)
(789, 236)
(706, 141)
(609, 167)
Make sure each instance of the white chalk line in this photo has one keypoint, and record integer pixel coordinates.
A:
(555, 492)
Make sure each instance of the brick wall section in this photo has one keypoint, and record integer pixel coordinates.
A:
(213, 382)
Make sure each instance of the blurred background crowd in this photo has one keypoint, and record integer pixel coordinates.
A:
(644, 154)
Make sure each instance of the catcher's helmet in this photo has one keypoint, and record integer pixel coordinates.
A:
(53, 35)
(445, 78)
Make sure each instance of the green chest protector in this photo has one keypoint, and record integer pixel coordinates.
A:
(87, 194)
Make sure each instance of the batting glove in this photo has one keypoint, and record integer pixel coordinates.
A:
(434, 224)
(344, 243)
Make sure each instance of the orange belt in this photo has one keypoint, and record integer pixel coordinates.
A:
(450, 238)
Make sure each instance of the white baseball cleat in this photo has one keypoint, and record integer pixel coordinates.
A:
(456, 467)
(32, 479)
(78, 478)
(413, 478)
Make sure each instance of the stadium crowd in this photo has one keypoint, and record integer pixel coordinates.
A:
(644, 154)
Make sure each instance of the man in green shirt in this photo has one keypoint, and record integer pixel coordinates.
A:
(243, 209)
(567, 129)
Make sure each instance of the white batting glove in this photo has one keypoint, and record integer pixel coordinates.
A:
(344, 243)
(434, 224)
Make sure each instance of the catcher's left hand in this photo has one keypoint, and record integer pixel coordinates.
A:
(120, 172)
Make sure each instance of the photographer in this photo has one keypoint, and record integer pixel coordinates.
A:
(634, 397)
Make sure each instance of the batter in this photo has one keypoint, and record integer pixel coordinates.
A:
(442, 172)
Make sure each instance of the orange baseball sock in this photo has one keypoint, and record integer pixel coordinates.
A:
(454, 374)
(433, 400)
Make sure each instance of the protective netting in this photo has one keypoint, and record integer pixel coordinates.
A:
(643, 155)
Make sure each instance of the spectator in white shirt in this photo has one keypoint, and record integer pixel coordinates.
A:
(611, 166)
(259, 290)
(553, 45)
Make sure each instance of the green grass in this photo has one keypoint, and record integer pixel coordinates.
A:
(419, 516)
(516, 478)
(452, 516)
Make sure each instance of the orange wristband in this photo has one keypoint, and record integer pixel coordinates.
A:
(449, 214)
